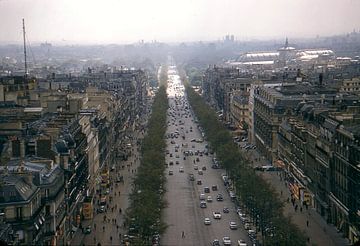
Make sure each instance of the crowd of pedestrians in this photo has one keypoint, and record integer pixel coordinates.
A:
(108, 224)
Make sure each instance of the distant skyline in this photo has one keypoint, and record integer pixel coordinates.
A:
(64, 22)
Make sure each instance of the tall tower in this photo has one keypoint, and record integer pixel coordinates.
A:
(26, 72)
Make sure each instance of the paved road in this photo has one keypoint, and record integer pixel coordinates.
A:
(183, 213)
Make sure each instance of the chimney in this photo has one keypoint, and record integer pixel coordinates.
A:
(321, 77)
(22, 148)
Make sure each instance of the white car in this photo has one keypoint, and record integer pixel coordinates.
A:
(209, 199)
(207, 221)
(226, 241)
(233, 225)
(242, 243)
(181, 169)
(217, 215)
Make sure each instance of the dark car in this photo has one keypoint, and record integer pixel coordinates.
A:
(226, 210)
(101, 209)
(219, 198)
(87, 230)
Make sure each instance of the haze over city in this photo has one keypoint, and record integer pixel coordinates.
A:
(117, 21)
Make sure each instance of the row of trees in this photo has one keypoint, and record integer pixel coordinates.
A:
(254, 193)
(146, 200)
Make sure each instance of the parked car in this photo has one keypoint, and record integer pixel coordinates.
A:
(87, 230)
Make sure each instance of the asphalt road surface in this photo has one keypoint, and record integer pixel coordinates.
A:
(183, 215)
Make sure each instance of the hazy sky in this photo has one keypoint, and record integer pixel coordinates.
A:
(120, 21)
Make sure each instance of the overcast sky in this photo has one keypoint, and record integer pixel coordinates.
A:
(120, 21)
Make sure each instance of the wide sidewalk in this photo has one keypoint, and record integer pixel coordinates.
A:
(318, 232)
(110, 231)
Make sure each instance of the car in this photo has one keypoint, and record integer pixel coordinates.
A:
(219, 198)
(203, 204)
(181, 169)
(226, 210)
(215, 166)
(107, 191)
(241, 243)
(171, 155)
(226, 241)
(207, 221)
(197, 159)
(191, 177)
(233, 225)
(209, 199)
(200, 172)
(199, 182)
(206, 189)
(177, 156)
(217, 215)
(203, 168)
(244, 219)
(247, 226)
(177, 162)
(214, 188)
(202, 196)
(101, 209)
(196, 167)
(87, 230)
(171, 172)
(215, 242)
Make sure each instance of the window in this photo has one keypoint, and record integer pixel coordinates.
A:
(19, 213)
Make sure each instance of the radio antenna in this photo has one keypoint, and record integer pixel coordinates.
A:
(26, 71)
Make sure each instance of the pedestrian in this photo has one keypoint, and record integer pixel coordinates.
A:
(281, 193)
(120, 210)
(103, 228)
(119, 235)
(300, 209)
(296, 207)
(95, 226)
(306, 205)
(94, 240)
(307, 223)
(117, 227)
(111, 238)
(183, 234)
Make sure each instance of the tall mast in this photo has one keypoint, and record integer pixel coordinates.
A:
(26, 71)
